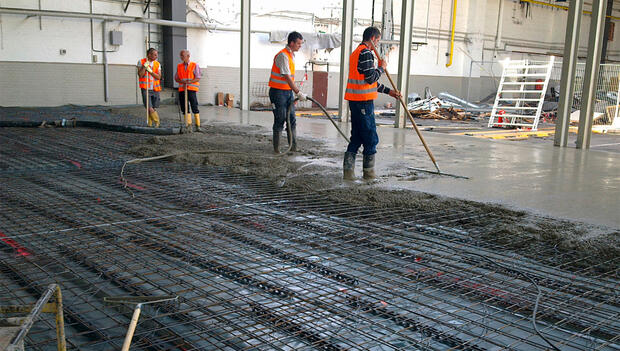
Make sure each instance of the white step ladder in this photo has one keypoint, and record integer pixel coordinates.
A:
(520, 94)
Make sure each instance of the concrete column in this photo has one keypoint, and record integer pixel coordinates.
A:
(346, 48)
(404, 59)
(244, 65)
(175, 39)
(610, 7)
(595, 46)
(569, 65)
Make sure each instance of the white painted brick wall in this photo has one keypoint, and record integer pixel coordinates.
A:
(55, 84)
(22, 42)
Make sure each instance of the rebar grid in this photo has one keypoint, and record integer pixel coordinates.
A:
(259, 267)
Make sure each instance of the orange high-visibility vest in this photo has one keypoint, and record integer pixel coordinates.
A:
(277, 80)
(357, 88)
(153, 84)
(189, 74)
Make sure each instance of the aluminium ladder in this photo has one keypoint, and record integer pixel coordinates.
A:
(520, 94)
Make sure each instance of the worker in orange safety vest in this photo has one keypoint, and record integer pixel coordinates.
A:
(149, 74)
(362, 90)
(188, 75)
(281, 89)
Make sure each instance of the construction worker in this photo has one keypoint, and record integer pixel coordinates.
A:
(281, 89)
(188, 75)
(362, 89)
(149, 73)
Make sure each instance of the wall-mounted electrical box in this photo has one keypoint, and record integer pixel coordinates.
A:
(116, 37)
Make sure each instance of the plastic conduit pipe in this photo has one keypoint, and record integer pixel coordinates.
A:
(451, 53)
(288, 121)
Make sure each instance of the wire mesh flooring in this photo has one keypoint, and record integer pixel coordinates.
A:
(257, 267)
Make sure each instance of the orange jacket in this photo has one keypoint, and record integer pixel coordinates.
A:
(277, 80)
(147, 79)
(357, 88)
(187, 74)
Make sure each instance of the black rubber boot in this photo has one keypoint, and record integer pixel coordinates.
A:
(369, 167)
(348, 166)
(276, 142)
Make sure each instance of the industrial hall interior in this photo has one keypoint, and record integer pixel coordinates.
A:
(379, 175)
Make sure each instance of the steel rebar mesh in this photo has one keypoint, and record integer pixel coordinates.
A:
(257, 267)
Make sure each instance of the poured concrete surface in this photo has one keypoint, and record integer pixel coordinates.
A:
(567, 183)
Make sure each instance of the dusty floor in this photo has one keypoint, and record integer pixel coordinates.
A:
(319, 171)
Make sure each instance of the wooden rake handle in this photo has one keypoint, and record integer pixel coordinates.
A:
(402, 102)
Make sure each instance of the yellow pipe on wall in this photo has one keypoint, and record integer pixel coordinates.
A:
(451, 54)
(562, 7)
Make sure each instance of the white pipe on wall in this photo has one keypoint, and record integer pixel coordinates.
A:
(105, 63)
(500, 24)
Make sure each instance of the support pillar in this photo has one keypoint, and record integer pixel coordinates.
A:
(569, 65)
(404, 59)
(244, 65)
(175, 39)
(588, 98)
(610, 7)
(346, 49)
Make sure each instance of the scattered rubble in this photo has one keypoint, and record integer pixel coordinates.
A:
(445, 106)
(443, 113)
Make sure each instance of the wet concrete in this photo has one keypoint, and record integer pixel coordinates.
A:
(534, 176)
(529, 197)
(564, 183)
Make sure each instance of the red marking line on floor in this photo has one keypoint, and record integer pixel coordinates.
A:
(258, 225)
(75, 163)
(130, 185)
(484, 289)
(21, 251)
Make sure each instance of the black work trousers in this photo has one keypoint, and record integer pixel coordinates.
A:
(192, 100)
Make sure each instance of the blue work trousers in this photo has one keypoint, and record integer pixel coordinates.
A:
(363, 127)
(280, 100)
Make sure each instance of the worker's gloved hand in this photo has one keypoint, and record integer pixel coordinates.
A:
(395, 94)
(147, 67)
(301, 96)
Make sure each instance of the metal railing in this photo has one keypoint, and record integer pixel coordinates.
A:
(607, 90)
(259, 94)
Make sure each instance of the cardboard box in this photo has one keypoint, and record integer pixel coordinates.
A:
(219, 100)
(229, 100)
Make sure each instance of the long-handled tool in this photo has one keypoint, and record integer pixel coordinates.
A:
(189, 126)
(138, 301)
(146, 73)
(415, 126)
(148, 115)
(181, 117)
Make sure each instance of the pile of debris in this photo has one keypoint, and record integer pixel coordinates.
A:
(449, 107)
(447, 113)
